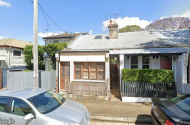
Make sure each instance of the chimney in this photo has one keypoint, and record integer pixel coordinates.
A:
(113, 30)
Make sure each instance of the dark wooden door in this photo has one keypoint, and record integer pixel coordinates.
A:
(114, 71)
(64, 74)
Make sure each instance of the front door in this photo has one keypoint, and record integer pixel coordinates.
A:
(114, 71)
(64, 74)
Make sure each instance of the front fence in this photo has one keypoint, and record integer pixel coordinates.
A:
(151, 90)
(17, 80)
(87, 88)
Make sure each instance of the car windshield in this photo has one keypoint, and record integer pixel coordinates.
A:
(183, 102)
(47, 101)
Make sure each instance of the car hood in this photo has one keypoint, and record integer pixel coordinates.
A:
(171, 110)
(69, 112)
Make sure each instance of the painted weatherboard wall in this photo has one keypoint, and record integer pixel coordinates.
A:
(153, 63)
(85, 57)
(8, 60)
(47, 41)
(179, 68)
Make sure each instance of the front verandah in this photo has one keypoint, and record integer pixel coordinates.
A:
(143, 92)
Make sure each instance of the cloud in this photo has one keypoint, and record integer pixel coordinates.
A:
(186, 14)
(1, 37)
(90, 32)
(2, 3)
(122, 22)
(47, 34)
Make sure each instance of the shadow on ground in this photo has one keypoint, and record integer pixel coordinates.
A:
(143, 119)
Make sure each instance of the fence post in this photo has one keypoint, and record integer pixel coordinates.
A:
(40, 78)
(1, 86)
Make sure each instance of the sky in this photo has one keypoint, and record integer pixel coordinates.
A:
(92, 16)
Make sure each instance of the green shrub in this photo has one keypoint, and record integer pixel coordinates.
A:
(148, 75)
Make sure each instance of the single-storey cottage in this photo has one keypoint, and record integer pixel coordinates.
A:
(92, 64)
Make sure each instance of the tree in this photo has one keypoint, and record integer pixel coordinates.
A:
(51, 50)
(130, 28)
(29, 56)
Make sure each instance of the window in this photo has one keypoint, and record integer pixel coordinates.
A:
(134, 62)
(47, 101)
(145, 62)
(90, 71)
(19, 107)
(93, 71)
(85, 70)
(78, 70)
(17, 52)
(55, 41)
(165, 62)
(101, 71)
(3, 104)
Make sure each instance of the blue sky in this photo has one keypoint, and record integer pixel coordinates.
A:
(16, 16)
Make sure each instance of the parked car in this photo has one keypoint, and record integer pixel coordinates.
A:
(171, 112)
(37, 106)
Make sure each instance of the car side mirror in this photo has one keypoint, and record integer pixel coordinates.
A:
(28, 116)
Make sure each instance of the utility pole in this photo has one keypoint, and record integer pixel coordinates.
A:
(35, 46)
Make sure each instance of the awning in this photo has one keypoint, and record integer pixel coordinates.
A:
(150, 51)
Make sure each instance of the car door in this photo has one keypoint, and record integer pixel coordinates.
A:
(4, 102)
(18, 110)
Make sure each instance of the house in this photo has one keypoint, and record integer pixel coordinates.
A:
(58, 39)
(92, 64)
(11, 53)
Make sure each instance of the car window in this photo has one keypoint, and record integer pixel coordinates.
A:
(47, 101)
(183, 102)
(19, 107)
(3, 103)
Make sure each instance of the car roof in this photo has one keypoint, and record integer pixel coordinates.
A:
(22, 93)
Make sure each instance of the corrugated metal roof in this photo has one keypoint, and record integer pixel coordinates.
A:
(14, 43)
(143, 39)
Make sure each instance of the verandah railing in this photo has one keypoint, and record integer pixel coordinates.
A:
(87, 88)
(151, 90)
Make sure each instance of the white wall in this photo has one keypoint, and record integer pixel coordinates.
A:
(177, 68)
(127, 62)
(7, 58)
(47, 41)
(153, 63)
(85, 57)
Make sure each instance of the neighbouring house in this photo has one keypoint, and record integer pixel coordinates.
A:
(92, 64)
(58, 39)
(11, 53)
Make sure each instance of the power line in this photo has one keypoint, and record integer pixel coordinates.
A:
(45, 13)
(49, 17)
(46, 20)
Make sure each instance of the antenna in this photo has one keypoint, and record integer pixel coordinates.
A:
(115, 15)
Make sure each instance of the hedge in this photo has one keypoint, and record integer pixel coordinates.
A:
(148, 75)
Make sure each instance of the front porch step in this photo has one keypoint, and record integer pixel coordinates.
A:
(115, 95)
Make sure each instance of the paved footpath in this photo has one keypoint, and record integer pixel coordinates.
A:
(118, 112)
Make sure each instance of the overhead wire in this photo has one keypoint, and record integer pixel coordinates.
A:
(45, 13)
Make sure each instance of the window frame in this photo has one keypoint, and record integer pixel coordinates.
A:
(134, 64)
(55, 41)
(89, 70)
(10, 103)
(17, 50)
(143, 64)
